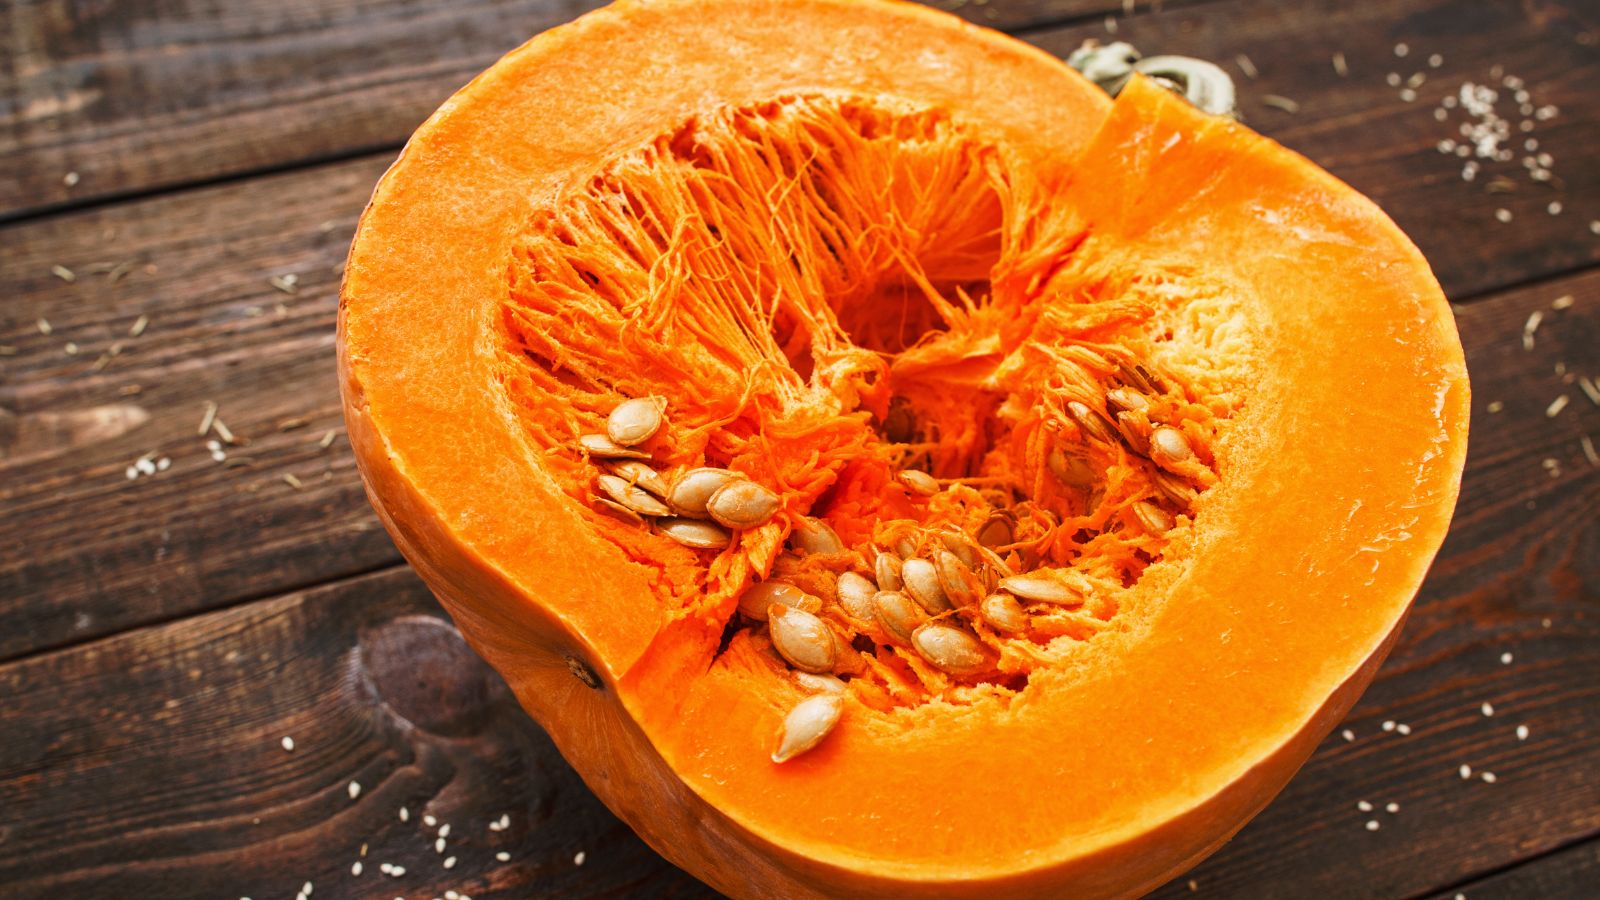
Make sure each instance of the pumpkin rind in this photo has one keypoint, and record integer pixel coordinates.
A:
(1265, 621)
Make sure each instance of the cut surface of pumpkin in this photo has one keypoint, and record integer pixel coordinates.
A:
(951, 482)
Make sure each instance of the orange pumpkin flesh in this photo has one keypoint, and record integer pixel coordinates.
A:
(783, 216)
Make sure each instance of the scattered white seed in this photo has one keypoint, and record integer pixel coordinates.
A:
(1401, 49)
(1408, 95)
(1589, 452)
(1505, 658)
(429, 821)
(132, 473)
(1435, 61)
(1364, 806)
(438, 845)
(1465, 771)
(503, 856)
(1554, 208)
(397, 871)
(444, 830)
(1440, 115)
(306, 889)
(1487, 709)
(1522, 732)
(1393, 78)
(71, 348)
(385, 868)
(1372, 825)
(353, 789)
(1564, 301)
(1594, 227)
(578, 858)
(1340, 66)
(64, 273)
(1348, 735)
(1556, 406)
(450, 862)
(405, 814)
(355, 867)
(1495, 406)
(1388, 725)
(71, 180)
(1403, 728)
(287, 743)
(1488, 777)
(1391, 807)
(1502, 214)
(163, 464)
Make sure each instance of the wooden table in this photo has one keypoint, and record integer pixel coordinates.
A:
(178, 184)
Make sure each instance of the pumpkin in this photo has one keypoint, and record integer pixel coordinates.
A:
(885, 465)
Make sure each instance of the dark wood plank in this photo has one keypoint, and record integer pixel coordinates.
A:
(1573, 872)
(144, 760)
(1359, 128)
(1519, 574)
(150, 764)
(103, 552)
(134, 96)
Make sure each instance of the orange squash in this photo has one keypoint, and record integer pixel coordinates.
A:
(1154, 425)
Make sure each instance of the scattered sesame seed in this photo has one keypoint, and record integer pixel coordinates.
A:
(1496, 406)
(45, 328)
(429, 821)
(71, 348)
(1408, 95)
(1590, 389)
(503, 856)
(1554, 208)
(1531, 326)
(1545, 622)
(206, 419)
(1503, 214)
(451, 895)
(438, 845)
(1246, 66)
(288, 284)
(1403, 728)
(132, 473)
(1551, 465)
(1339, 64)
(1505, 658)
(1588, 450)
(222, 430)
(1348, 735)
(70, 179)
(405, 814)
(1391, 807)
(1488, 777)
(1556, 406)
(1111, 24)
(1487, 709)
(64, 273)
(355, 867)
(139, 325)
(1372, 825)
(287, 743)
(1388, 725)
(1279, 102)
(578, 858)
(1435, 61)
(1522, 732)
(397, 871)
(1594, 227)
(1393, 78)
(327, 439)
(385, 868)
(450, 862)
(163, 464)
(1564, 301)
(444, 830)
(1416, 79)
(1465, 771)
(1440, 115)
(353, 789)
(1401, 49)
(1460, 897)
(291, 480)
(1364, 806)
(306, 889)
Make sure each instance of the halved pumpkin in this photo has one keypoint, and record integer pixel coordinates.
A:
(912, 278)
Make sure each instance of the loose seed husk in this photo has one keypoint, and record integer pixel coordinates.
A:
(1123, 399)
(759, 597)
(822, 684)
(919, 482)
(1141, 378)
(614, 508)
(887, 567)
(632, 496)
(1094, 426)
(922, 583)
(1152, 518)
(962, 546)
(807, 724)
(635, 421)
(743, 504)
(997, 531)
(956, 578)
(1071, 469)
(804, 640)
(638, 473)
(600, 446)
(1135, 430)
(691, 490)
(1038, 587)
(695, 533)
(897, 614)
(814, 536)
(1174, 488)
(952, 650)
(855, 595)
(1169, 446)
(1003, 613)
(905, 546)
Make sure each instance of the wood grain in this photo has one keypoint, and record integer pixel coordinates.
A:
(160, 745)
(150, 764)
(1572, 872)
(136, 96)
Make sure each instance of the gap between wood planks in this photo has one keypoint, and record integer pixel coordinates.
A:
(1554, 854)
(972, 11)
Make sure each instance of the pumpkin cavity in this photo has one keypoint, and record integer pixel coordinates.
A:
(923, 405)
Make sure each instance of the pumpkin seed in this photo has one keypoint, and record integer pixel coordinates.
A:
(962, 546)
(635, 421)
(638, 473)
(905, 546)
(632, 496)
(1135, 430)
(598, 445)
(919, 482)
(897, 614)
(995, 567)
(691, 490)
(801, 638)
(887, 567)
(1141, 378)
(1093, 425)
(855, 595)
(823, 684)
(757, 598)
(695, 533)
(1003, 613)
(814, 536)
(1169, 446)
(1071, 469)
(1124, 399)
(952, 650)
(1152, 518)
(743, 504)
(998, 530)
(807, 724)
(1174, 488)
(922, 583)
(955, 578)
(617, 509)
(1038, 587)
